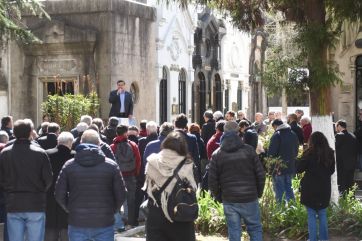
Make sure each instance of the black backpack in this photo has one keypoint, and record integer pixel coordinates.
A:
(182, 202)
(125, 157)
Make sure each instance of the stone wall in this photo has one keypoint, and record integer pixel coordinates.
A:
(107, 40)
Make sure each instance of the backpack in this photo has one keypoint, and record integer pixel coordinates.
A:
(182, 202)
(125, 157)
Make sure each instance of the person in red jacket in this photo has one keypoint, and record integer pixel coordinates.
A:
(307, 128)
(129, 159)
(214, 141)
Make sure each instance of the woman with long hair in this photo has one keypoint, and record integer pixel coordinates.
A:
(318, 163)
(160, 167)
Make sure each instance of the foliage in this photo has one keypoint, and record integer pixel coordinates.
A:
(11, 16)
(287, 220)
(346, 218)
(211, 218)
(66, 110)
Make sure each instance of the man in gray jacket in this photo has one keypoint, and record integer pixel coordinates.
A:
(237, 178)
(91, 188)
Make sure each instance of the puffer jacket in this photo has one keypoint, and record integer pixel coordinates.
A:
(236, 175)
(95, 186)
(284, 144)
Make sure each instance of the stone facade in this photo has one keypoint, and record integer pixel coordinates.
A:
(175, 44)
(235, 53)
(348, 96)
(91, 43)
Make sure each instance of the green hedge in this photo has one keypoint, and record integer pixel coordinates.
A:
(66, 110)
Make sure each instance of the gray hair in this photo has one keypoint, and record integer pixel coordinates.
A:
(151, 127)
(218, 114)
(31, 123)
(65, 138)
(166, 128)
(90, 137)
(4, 137)
(86, 119)
(306, 119)
(81, 127)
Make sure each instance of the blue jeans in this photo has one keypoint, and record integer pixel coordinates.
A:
(118, 222)
(250, 214)
(283, 186)
(28, 224)
(321, 215)
(90, 234)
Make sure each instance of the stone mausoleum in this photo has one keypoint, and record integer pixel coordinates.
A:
(88, 44)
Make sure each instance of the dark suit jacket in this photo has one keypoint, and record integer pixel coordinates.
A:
(193, 149)
(116, 103)
(346, 150)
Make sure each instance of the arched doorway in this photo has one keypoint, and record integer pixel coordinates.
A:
(202, 96)
(163, 96)
(182, 91)
(218, 93)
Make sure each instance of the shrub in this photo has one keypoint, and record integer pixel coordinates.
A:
(66, 110)
(211, 218)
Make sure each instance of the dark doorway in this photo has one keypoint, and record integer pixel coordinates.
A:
(218, 93)
(182, 91)
(359, 91)
(163, 96)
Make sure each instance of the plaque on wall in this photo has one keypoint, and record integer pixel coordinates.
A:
(346, 88)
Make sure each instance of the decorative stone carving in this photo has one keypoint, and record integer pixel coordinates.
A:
(59, 65)
(174, 49)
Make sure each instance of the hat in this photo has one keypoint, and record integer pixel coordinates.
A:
(231, 126)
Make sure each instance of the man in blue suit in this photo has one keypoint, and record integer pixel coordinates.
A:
(121, 100)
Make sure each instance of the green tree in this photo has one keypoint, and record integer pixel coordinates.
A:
(318, 24)
(11, 24)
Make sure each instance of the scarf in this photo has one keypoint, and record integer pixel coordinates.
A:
(159, 168)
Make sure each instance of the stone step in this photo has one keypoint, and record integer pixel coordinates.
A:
(358, 175)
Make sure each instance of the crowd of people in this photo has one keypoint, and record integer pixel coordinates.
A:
(91, 182)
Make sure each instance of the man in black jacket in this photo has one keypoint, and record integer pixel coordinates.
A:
(284, 146)
(50, 139)
(237, 178)
(346, 156)
(90, 188)
(56, 226)
(297, 129)
(208, 129)
(25, 176)
(248, 134)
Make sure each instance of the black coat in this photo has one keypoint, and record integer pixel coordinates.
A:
(358, 134)
(91, 188)
(48, 142)
(142, 143)
(25, 176)
(250, 137)
(346, 150)
(316, 182)
(298, 131)
(284, 144)
(56, 217)
(208, 130)
(114, 99)
(110, 133)
(236, 175)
